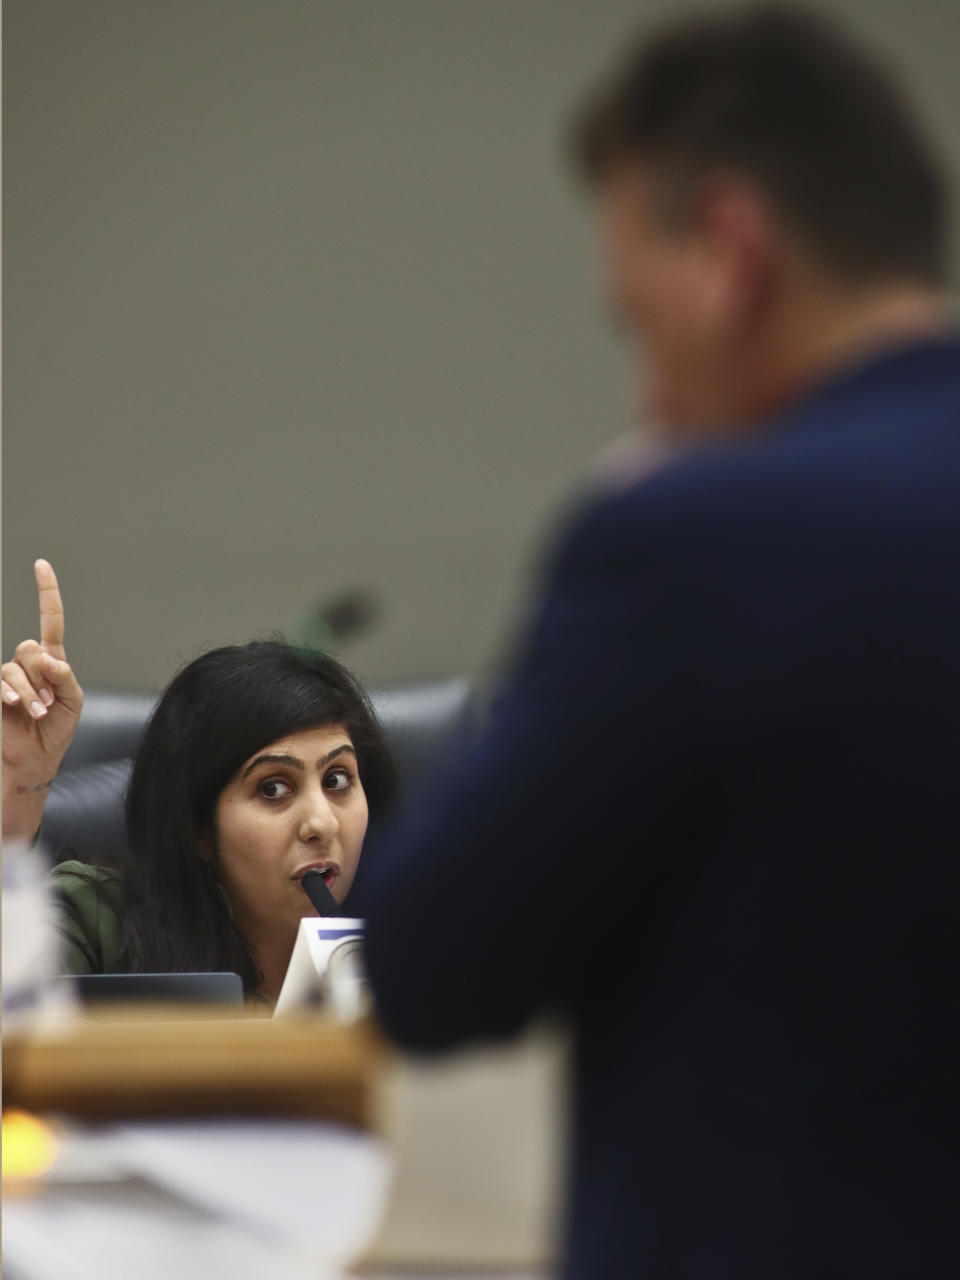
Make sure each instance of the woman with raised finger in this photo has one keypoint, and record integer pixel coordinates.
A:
(259, 762)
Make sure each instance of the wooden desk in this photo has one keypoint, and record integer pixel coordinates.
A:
(475, 1136)
(179, 1062)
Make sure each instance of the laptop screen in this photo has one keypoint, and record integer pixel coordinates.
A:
(199, 988)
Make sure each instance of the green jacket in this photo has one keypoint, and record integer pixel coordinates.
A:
(87, 917)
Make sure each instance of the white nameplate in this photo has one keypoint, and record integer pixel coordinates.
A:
(324, 943)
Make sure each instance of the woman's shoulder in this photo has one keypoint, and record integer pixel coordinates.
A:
(86, 884)
(74, 873)
(89, 915)
(88, 872)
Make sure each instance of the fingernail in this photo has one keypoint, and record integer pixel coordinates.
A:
(37, 710)
(11, 696)
(50, 663)
(46, 697)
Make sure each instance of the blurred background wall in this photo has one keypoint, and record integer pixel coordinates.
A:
(299, 296)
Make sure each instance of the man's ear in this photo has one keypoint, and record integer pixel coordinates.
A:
(740, 232)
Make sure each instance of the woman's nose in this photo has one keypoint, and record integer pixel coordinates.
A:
(318, 820)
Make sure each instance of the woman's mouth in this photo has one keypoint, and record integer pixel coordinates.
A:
(329, 871)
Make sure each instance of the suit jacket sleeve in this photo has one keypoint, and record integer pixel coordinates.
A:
(479, 902)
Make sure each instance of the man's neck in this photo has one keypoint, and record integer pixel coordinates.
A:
(820, 335)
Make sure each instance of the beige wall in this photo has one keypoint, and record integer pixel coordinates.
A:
(298, 295)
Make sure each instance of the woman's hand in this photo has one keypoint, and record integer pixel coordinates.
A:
(41, 708)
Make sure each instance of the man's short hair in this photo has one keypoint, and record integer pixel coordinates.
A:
(784, 97)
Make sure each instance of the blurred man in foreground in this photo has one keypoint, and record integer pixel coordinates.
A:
(715, 817)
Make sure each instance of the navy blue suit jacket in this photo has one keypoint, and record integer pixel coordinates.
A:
(735, 733)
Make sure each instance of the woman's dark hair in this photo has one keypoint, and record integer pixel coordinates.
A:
(218, 711)
(786, 97)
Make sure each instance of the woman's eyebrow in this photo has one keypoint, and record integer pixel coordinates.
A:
(271, 758)
(277, 757)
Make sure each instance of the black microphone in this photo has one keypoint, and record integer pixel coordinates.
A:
(315, 887)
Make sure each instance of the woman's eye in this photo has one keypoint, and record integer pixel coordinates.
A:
(338, 780)
(274, 789)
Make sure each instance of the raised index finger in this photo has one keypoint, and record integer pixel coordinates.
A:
(51, 610)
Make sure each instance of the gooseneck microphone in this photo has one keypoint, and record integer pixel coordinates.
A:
(315, 887)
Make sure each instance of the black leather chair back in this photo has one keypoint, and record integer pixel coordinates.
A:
(110, 727)
(84, 816)
(424, 724)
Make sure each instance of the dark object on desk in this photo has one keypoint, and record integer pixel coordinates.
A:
(138, 988)
(315, 887)
(330, 624)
